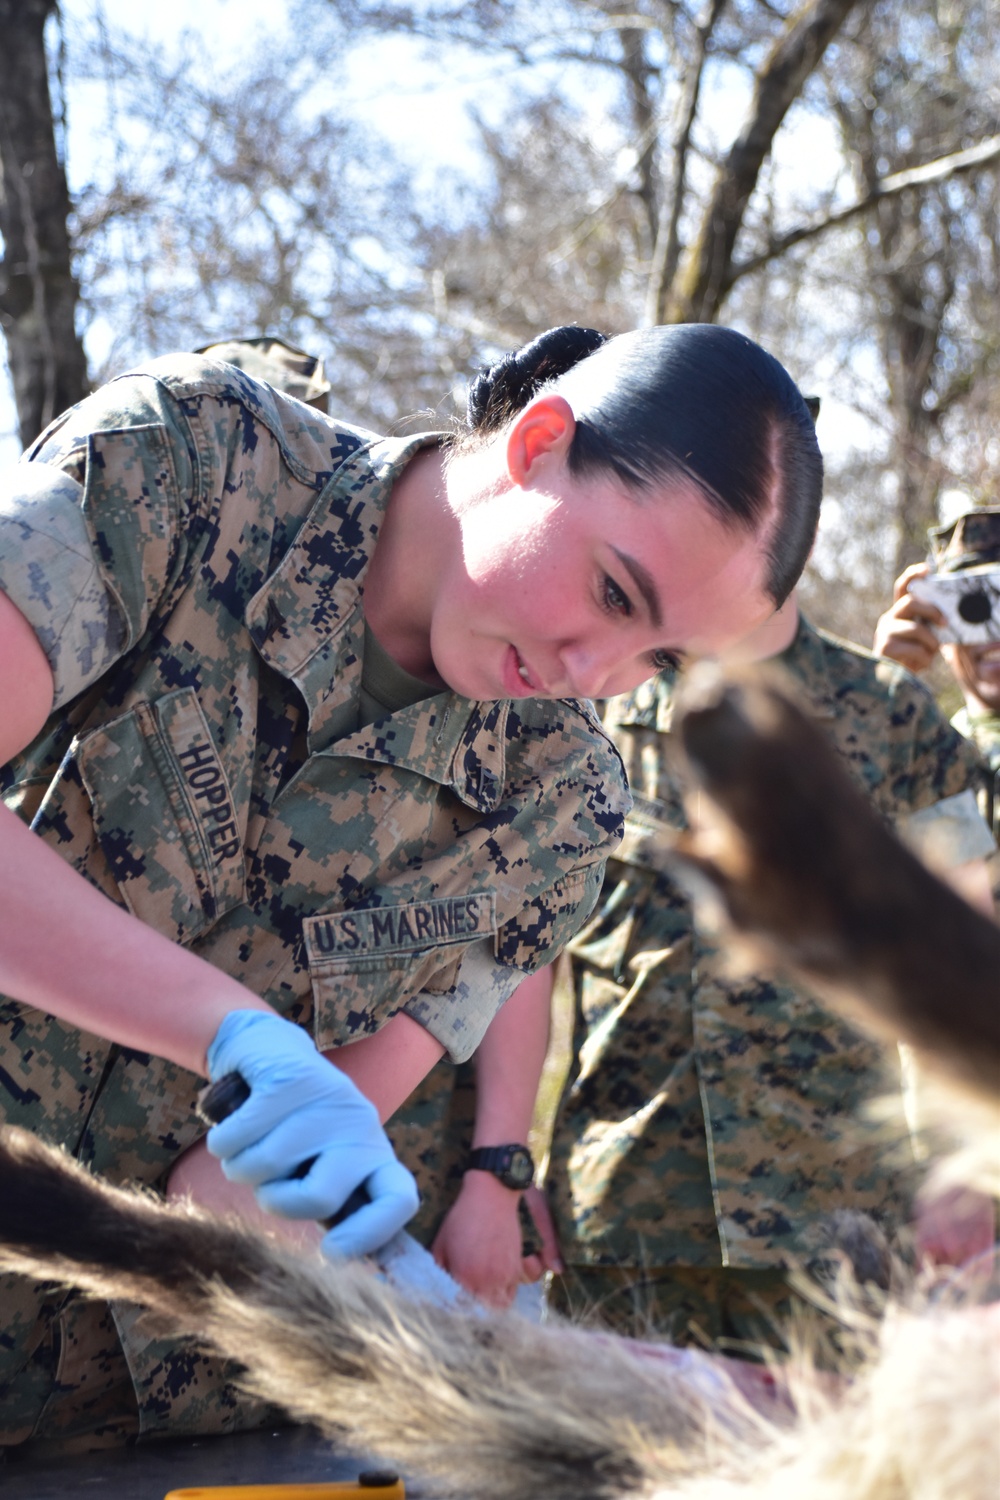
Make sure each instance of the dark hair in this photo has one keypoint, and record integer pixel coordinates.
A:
(684, 400)
(499, 392)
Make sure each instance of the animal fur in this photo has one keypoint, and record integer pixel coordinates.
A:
(475, 1404)
(494, 1407)
(790, 860)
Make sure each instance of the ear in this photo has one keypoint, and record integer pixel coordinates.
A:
(544, 428)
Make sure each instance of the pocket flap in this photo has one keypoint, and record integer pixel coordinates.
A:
(164, 814)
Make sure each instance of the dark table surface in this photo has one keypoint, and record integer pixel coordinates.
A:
(151, 1470)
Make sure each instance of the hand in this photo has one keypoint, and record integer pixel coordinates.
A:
(905, 632)
(953, 1225)
(479, 1242)
(549, 1258)
(303, 1110)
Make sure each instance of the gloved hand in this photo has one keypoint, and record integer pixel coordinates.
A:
(301, 1110)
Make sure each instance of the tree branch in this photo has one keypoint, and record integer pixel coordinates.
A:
(941, 170)
(702, 282)
(667, 249)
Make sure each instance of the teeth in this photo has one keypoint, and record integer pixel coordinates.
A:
(523, 672)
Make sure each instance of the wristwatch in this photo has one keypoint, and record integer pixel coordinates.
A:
(511, 1165)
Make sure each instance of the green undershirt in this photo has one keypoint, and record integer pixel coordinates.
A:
(385, 686)
(385, 689)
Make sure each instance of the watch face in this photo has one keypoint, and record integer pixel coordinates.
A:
(520, 1168)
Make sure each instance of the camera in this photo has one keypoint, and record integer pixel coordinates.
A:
(970, 603)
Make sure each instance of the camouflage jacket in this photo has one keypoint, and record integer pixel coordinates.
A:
(190, 547)
(711, 1122)
(984, 732)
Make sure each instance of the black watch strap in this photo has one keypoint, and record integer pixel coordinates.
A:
(512, 1165)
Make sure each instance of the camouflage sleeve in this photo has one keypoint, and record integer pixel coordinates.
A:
(89, 525)
(950, 832)
(48, 569)
(458, 1019)
(490, 971)
(933, 761)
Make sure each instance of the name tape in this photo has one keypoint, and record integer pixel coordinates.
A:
(409, 928)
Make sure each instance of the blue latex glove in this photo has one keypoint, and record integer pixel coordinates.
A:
(303, 1109)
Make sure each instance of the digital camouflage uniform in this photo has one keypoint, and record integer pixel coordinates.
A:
(282, 365)
(983, 730)
(190, 547)
(709, 1126)
(970, 545)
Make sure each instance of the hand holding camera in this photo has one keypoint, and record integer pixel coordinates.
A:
(969, 603)
(907, 631)
(931, 608)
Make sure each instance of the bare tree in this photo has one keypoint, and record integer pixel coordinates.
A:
(38, 291)
(696, 291)
(931, 251)
(667, 61)
(240, 203)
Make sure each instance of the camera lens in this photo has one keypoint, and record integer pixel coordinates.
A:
(975, 608)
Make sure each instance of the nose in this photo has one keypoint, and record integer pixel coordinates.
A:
(589, 667)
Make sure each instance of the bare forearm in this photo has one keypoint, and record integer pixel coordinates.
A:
(388, 1066)
(480, 1239)
(509, 1063)
(70, 951)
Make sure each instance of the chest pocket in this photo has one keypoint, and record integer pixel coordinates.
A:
(165, 816)
(365, 964)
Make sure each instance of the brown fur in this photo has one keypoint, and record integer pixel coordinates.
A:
(797, 866)
(474, 1404)
(497, 1408)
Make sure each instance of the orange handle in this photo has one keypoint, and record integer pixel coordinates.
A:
(348, 1489)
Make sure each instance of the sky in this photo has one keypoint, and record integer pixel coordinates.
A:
(426, 106)
(424, 110)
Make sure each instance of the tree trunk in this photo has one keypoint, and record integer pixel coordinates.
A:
(704, 277)
(38, 291)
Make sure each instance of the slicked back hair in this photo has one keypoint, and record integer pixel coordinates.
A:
(687, 401)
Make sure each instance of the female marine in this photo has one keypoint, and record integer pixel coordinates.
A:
(293, 747)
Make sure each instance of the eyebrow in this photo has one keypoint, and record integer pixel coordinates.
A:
(643, 581)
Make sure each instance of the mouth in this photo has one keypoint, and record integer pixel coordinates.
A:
(519, 678)
(989, 656)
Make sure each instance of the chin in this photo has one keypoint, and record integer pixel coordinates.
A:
(464, 683)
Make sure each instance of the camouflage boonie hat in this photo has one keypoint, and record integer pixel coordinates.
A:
(282, 365)
(969, 544)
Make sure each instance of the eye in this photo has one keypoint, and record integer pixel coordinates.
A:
(666, 661)
(614, 599)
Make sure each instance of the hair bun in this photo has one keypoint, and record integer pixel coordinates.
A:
(507, 386)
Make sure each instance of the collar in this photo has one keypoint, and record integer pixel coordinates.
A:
(307, 622)
(451, 740)
(805, 661)
(315, 591)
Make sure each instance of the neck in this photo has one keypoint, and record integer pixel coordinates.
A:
(409, 556)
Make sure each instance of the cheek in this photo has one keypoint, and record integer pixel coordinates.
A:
(517, 547)
(963, 666)
(531, 596)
